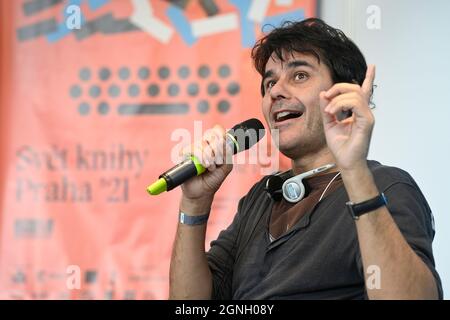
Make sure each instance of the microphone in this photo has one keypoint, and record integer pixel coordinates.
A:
(241, 137)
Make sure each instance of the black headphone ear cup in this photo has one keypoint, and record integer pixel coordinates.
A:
(302, 191)
(273, 187)
(274, 184)
(307, 188)
(277, 196)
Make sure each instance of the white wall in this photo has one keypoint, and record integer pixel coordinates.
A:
(412, 130)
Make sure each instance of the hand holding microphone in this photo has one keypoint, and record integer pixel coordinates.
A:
(209, 160)
(214, 155)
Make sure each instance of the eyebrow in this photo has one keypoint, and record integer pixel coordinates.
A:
(290, 65)
(298, 63)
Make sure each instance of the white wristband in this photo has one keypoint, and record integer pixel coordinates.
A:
(193, 220)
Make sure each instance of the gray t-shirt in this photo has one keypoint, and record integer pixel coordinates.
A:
(319, 257)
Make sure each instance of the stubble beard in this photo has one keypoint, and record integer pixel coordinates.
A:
(314, 142)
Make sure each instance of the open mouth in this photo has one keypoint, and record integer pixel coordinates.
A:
(286, 115)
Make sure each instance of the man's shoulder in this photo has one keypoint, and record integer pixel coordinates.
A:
(387, 175)
(259, 187)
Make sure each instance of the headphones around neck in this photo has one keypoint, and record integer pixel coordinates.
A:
(291, 188)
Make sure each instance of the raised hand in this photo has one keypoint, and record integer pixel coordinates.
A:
(349, 139)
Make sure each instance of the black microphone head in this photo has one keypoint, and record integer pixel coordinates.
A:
(247, 134)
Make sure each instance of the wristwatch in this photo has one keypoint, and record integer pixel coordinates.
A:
(358, 209)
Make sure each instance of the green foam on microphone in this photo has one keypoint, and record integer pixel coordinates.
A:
(157, 187)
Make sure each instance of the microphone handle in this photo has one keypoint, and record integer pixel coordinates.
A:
(182, 172)
(191, 167)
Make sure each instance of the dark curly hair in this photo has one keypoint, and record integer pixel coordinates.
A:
(313, 36)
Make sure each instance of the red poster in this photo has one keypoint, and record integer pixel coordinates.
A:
(95, 95)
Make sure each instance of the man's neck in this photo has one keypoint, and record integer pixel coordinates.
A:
(311, 161)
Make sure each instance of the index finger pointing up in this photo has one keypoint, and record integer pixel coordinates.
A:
(368, 81)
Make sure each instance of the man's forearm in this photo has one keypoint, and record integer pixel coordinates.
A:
(403, 274)
(190, 276)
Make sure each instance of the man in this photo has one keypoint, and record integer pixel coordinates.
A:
(312, 249)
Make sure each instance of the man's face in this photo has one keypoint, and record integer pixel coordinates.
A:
(291, 102)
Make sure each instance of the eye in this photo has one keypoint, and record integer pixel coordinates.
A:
(300, 76)
(270, 84)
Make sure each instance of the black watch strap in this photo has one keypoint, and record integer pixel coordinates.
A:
(358, 209)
